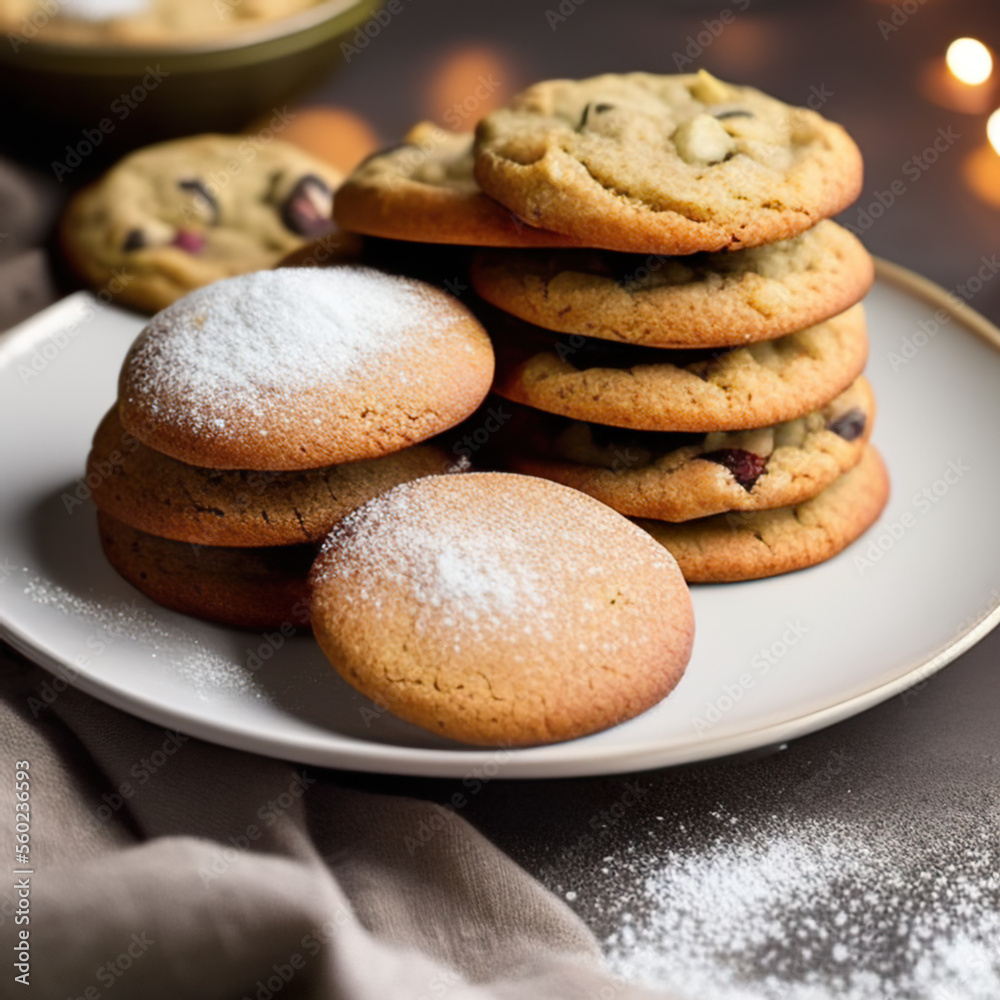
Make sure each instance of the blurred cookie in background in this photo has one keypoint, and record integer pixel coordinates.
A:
(178, 215)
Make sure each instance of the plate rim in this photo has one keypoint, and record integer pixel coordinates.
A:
(551, 761)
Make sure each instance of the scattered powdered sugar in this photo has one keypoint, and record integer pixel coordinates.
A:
(812, 910)
(178, 652)
(251, 345)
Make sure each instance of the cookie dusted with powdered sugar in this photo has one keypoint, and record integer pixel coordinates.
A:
(239, 507)
(501, 610)
(247, 587)
(301, 368)
(665, 164)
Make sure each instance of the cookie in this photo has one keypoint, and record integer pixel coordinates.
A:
(179, 215)
(500, 610)
(301, 368)
(647, 388)
(674, 477)
(423, 190)
(705, 300)
(253, 588)
(665, 164)
(161, 496)
(731, 547)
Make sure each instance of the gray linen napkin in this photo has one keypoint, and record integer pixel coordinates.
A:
(167, 867)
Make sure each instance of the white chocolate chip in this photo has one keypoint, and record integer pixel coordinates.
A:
(703, 140)
(708, 90)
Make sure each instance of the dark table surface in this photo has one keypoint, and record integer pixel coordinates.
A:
(862, 861)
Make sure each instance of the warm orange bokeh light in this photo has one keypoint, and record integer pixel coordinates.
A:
(340, 137)
(969, 60)
(993, 130)
(468, 83)
(982, 167)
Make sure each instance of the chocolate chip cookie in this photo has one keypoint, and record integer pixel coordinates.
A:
(178, 215)
(665, 164)
(424, 190)
(702, 300)
(675, 477)
(646, 388)
(732, 547)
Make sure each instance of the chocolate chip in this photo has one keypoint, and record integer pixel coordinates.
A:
(744, 465)
(308, 210)
(598, 108)
(135, 240)
(736, 113)
(202, 196)
(850, 425)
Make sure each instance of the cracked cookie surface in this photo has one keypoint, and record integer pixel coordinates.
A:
(249, 587)
(501, 610)
(658, 390)
(424, 190)
(179, 215)
(161, 496)
(301, 368)
(732, 547)
(704, 300)
(665, 163)
(680, 477)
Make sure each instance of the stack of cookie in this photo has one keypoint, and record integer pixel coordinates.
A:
(675, 315)
(256, 413)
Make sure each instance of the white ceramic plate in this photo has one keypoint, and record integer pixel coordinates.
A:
(773, 659)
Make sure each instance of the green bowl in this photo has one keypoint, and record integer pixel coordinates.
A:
(158, 92)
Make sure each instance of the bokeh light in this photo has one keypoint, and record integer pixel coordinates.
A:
(969, 60)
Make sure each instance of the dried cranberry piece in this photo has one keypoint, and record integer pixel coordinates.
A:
(744, 465)
(850, 425)
(308, 210)
(189, 240)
